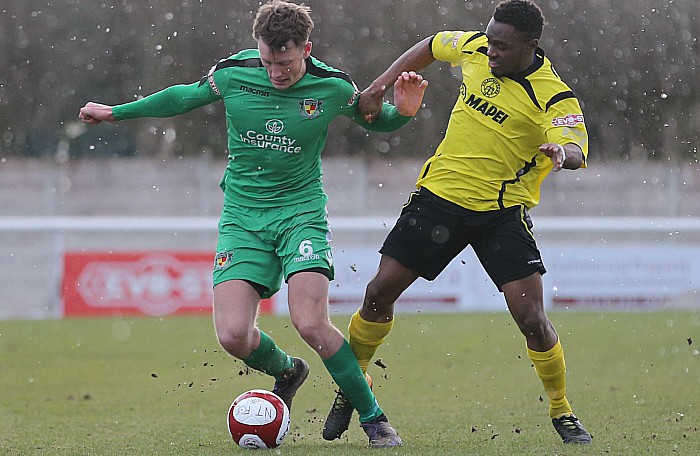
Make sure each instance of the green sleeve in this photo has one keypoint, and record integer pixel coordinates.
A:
(389, 119)
(169, 102)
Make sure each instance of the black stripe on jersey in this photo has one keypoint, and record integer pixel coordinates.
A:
(248, 63)
(427, 168)
(559, 97)
(521, 78)
(481, 49)
(474, 36)
(471, 38)
(229, 63)
(325, 73)
(521, 172)
(528, 89)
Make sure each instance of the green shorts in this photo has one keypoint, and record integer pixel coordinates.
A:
(262, 245)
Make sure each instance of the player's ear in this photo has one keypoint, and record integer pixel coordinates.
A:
(307, 49)
(532, 45)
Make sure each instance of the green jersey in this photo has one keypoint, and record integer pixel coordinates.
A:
(275, 137)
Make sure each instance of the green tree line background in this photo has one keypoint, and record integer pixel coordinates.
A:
(632, 64)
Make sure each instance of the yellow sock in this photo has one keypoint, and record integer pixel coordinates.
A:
(366, 337)
(551, 369)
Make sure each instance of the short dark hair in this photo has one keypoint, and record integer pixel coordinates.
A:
(277, 22)
(524, 15)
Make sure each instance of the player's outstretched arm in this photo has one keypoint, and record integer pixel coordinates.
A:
(409, 89)
(416, 58)
(169, 102)
(96, 113)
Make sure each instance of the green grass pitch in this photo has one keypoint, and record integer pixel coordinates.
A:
(452, 384)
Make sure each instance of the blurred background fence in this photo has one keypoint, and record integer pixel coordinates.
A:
(621, 236)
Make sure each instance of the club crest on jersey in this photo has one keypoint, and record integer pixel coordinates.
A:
(223, 260)
(490, 87)
(310, 107)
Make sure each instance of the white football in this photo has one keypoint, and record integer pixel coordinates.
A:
(258, 419)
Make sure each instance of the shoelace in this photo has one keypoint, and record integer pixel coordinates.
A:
(340, 402)
(570, 424)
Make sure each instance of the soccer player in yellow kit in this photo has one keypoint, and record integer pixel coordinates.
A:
(514, 121)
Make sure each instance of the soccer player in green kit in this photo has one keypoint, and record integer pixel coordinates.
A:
(279, 103)
(514, 121)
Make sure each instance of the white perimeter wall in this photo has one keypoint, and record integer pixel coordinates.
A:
(625, 262)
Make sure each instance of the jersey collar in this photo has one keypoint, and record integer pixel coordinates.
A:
(537, 62)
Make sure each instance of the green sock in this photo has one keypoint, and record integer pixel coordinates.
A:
(269, 358)
(347, 374)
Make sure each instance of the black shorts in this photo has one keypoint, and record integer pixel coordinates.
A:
(431, 231)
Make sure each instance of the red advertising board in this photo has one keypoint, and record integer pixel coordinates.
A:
(154, 283)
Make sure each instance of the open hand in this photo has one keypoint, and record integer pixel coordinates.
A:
(409, 89)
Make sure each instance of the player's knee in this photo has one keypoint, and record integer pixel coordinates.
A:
(375, 299)
(314, 333)
(537, 327)
(236, 343)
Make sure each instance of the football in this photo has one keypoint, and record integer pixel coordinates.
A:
(258, 419)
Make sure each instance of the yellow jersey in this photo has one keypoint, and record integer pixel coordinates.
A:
(489, 158)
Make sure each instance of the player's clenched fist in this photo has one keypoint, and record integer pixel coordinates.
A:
(95, 113)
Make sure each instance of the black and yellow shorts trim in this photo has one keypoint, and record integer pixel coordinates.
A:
(432, 231)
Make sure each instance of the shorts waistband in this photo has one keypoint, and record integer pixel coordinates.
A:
(456, 208)
(442, 202)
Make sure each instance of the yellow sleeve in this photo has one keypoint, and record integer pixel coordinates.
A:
(456, 46)
(566, 124)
